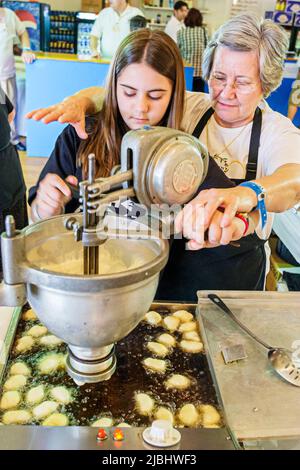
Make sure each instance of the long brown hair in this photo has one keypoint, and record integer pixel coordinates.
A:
(159, 51)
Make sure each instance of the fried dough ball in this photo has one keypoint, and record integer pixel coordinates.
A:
(177, 381)
(183, 315)
(29, 315)
(10, 400)
(155, 365)
(56, 419)
(144, 403)
(168, 340)
(171, 323)
(191, 336)
(104, 422)
(188, 326)
(44, 409)
(191, 346)
(24, 344)
(35, 395)
(19, 368)
(50, 363)
(165, 414)
(15, 382)
(157, 348)
(188, 415)
(16, 417)
(210, 416)
(37, 330)
(61, 394)
(50, 340)
(153, 318)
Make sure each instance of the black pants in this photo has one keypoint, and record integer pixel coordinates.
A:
(198, 84)
(19, 211)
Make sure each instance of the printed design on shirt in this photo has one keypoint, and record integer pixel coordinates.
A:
(235, 167)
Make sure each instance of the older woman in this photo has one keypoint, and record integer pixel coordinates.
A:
(243, 64)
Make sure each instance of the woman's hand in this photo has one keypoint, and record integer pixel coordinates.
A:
(52, 195)
(232, 200)
(190, 222)
(72, 110)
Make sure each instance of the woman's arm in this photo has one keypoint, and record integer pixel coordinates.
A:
(191, 221)
(72, 110)
(282, 191)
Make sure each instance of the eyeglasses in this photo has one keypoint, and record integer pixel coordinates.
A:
(240, 85)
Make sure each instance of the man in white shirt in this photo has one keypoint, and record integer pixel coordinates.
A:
(176, 22)
(11, 27)
(112, 25)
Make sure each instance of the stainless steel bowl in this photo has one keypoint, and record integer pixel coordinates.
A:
(85, 311)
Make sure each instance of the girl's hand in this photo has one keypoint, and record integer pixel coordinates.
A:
(52, 195)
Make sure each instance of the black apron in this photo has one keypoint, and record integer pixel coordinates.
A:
(225, 267)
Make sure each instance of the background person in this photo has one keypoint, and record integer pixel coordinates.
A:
(192, 41)
(294, 98)
(137, 22)
(111, 26)
(12, 185)
(10, 27)
(177, 20)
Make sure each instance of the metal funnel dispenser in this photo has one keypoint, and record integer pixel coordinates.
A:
(93, 288)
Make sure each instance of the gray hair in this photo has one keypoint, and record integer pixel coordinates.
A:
(246, 32)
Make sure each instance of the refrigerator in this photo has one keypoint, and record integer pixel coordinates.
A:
(63, 31)
(36, 19)
(85, 23)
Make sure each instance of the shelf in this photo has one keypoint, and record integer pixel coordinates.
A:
(146, 7)
(162, 25)
(157, 8)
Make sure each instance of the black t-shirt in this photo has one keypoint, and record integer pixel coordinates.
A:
(12, 185)
(224, 267)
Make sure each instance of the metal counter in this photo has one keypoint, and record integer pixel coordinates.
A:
(260, 407)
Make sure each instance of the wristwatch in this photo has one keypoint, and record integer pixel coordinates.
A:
(260, 193)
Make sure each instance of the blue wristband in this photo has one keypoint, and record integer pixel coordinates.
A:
(261, 206)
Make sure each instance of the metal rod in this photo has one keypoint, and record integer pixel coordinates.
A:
(10, 226)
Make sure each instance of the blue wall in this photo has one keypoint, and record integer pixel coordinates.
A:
(48, 82)
(279, 99)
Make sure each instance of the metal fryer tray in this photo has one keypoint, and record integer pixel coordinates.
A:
(83, 436)
(257, 402)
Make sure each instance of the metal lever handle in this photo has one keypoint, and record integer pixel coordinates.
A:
(74, 189)
(103, 185)
(217, 301)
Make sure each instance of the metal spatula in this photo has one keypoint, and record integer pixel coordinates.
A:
(279, 358)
